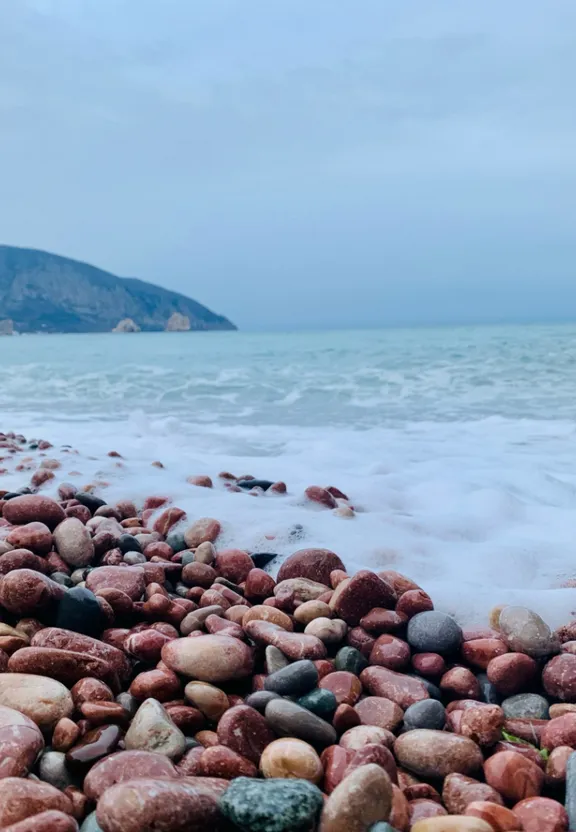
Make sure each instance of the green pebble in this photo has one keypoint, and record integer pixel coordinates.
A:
(321, 702)
(274, 805)
(382, 826)
(350, 659)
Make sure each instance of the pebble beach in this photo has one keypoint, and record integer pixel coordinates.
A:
(154, 679)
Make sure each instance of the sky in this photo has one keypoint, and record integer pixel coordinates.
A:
(300, 163)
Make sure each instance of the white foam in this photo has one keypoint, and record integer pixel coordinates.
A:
(478, 512)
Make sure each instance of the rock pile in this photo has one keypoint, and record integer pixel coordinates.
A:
(150, 680)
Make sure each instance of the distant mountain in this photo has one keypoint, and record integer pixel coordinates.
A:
(43, 292)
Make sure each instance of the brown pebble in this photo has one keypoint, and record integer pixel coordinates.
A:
(363, 798)
(291, 758)
(513, 776)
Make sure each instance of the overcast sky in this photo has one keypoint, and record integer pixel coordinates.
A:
(300, 163)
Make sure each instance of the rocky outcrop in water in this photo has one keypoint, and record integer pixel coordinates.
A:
(126, 325)
(42, 292)
(178, 323)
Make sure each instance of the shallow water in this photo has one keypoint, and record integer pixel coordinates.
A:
(456, 445)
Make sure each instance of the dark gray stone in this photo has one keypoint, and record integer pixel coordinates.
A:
(91, 824)
(425, 714)
(321, 702)
(79, 610)
(434, 632)
(294, 679)
(262, 559)
(489, 692)
(260, 699)
(62, 578)
(128, 543)
(89, 500)
(248, 484)
(274, 659)
(287, 719)
(187, 557)
(274, 805)
(176, 541)
(53, 769)
(134, 558)
(350, 659)
(526, 706)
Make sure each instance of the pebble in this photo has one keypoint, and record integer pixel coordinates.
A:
(21, 799)
(559, 677)
(245, 731)
(321, 702)
(293, 680)
(53, 769)
(209, 658)
(310, 611)
(130, 580)
(356, 598)
(288, 719)
(345, 686)
(205, 530)
(95, 744)
(364, 797)
(362, 735)
(31, 508)
(126, 765)
(152, 730)
(80, 611)
(425, 714)
(434, 632)
(458, 791)
(210, 700)
(400, 688)
(378, 711)
(313, 564)
(526, 706)
(45, 701)
(351, 660)
(274, 659)
(271, 805)
(328, 630)
(511, 673)
(186, 805)
(219, 761)
(526, 632)
(291, 758)
(570, 802)
(514, 776)
(391, 652)
(452, 823)
(430, 753)
(540, 814)
(498, 817)
(73, 542)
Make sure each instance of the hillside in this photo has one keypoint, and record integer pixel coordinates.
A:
(42, 292)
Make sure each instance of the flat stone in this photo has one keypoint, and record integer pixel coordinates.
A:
(293, 680)
(425, 714)
(209, 658)
(288, 719)
(45, 701)
(186, 805)
(272, 805)
(434, 632)
(153, 730)
(437, 753)
(526, 706)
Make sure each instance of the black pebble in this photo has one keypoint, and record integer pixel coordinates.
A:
(262, 559)
(128, 543)
(248, 484)
(80, 611)
(89, 500)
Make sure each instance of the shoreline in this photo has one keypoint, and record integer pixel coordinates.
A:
(220, 680)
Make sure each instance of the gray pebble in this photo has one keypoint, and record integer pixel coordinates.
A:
(134, 558)
(434, 632)
(425, 714)
(290, 720)
(187, 557)
(274, 659)
(489, 692)
(52, 769)
(260, 699)
(91, 824)
(294, 680)
(128, 702)
(570, 803)
(526, 706)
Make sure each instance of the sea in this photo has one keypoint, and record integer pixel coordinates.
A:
(456, 446)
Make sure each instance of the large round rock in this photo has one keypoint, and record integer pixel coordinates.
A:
(209, 658)
(43, 700)
(437, 753)
(32, 508)
(434, 632)
(314, 564)
(275, 805)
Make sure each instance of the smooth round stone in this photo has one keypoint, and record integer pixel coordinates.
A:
(310, 611)
(176, 541)
(30, 508)
(288, 719)
(451, 823)
(401, 688)
(425, 714)
(321, 702)
(346, 687)
(153, 730)
(380, 712)
(434, 632)
(351, 660)
(291, 758)
(526, 706)
(134, 558)
(245, 731)
(97, 743)
(497, 817)
(189, 804)
(458, 791)
(45, 701)
(128, 543)
(364, 797)
(272, 805)
(204, 530)
(210, 700)
(52, 769)
(430, 753)
(513, 776)
(525, 632)
(209, 658)
(123, 766)
(328, 630)
(313, 564)
(293, 680)
(131, 581)
(274, 659)
(541, 814)
(559, 677)
(89, 500)
(260, 699)
(512, 672)
(80, 611)
(21, 799)
(73, 542)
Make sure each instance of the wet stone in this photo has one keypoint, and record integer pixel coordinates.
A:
(295, 679)
(526, 706)
(351, 660)
(153, 730)
(92, 747)
(321, 702)
(526, 632)
(272, 805)
(275, 659)
(434, 632)
(245, 731)
(425, 714)
(437, 753)
(260, 699)
(126, 765)
(80, 611)
(288, 719)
